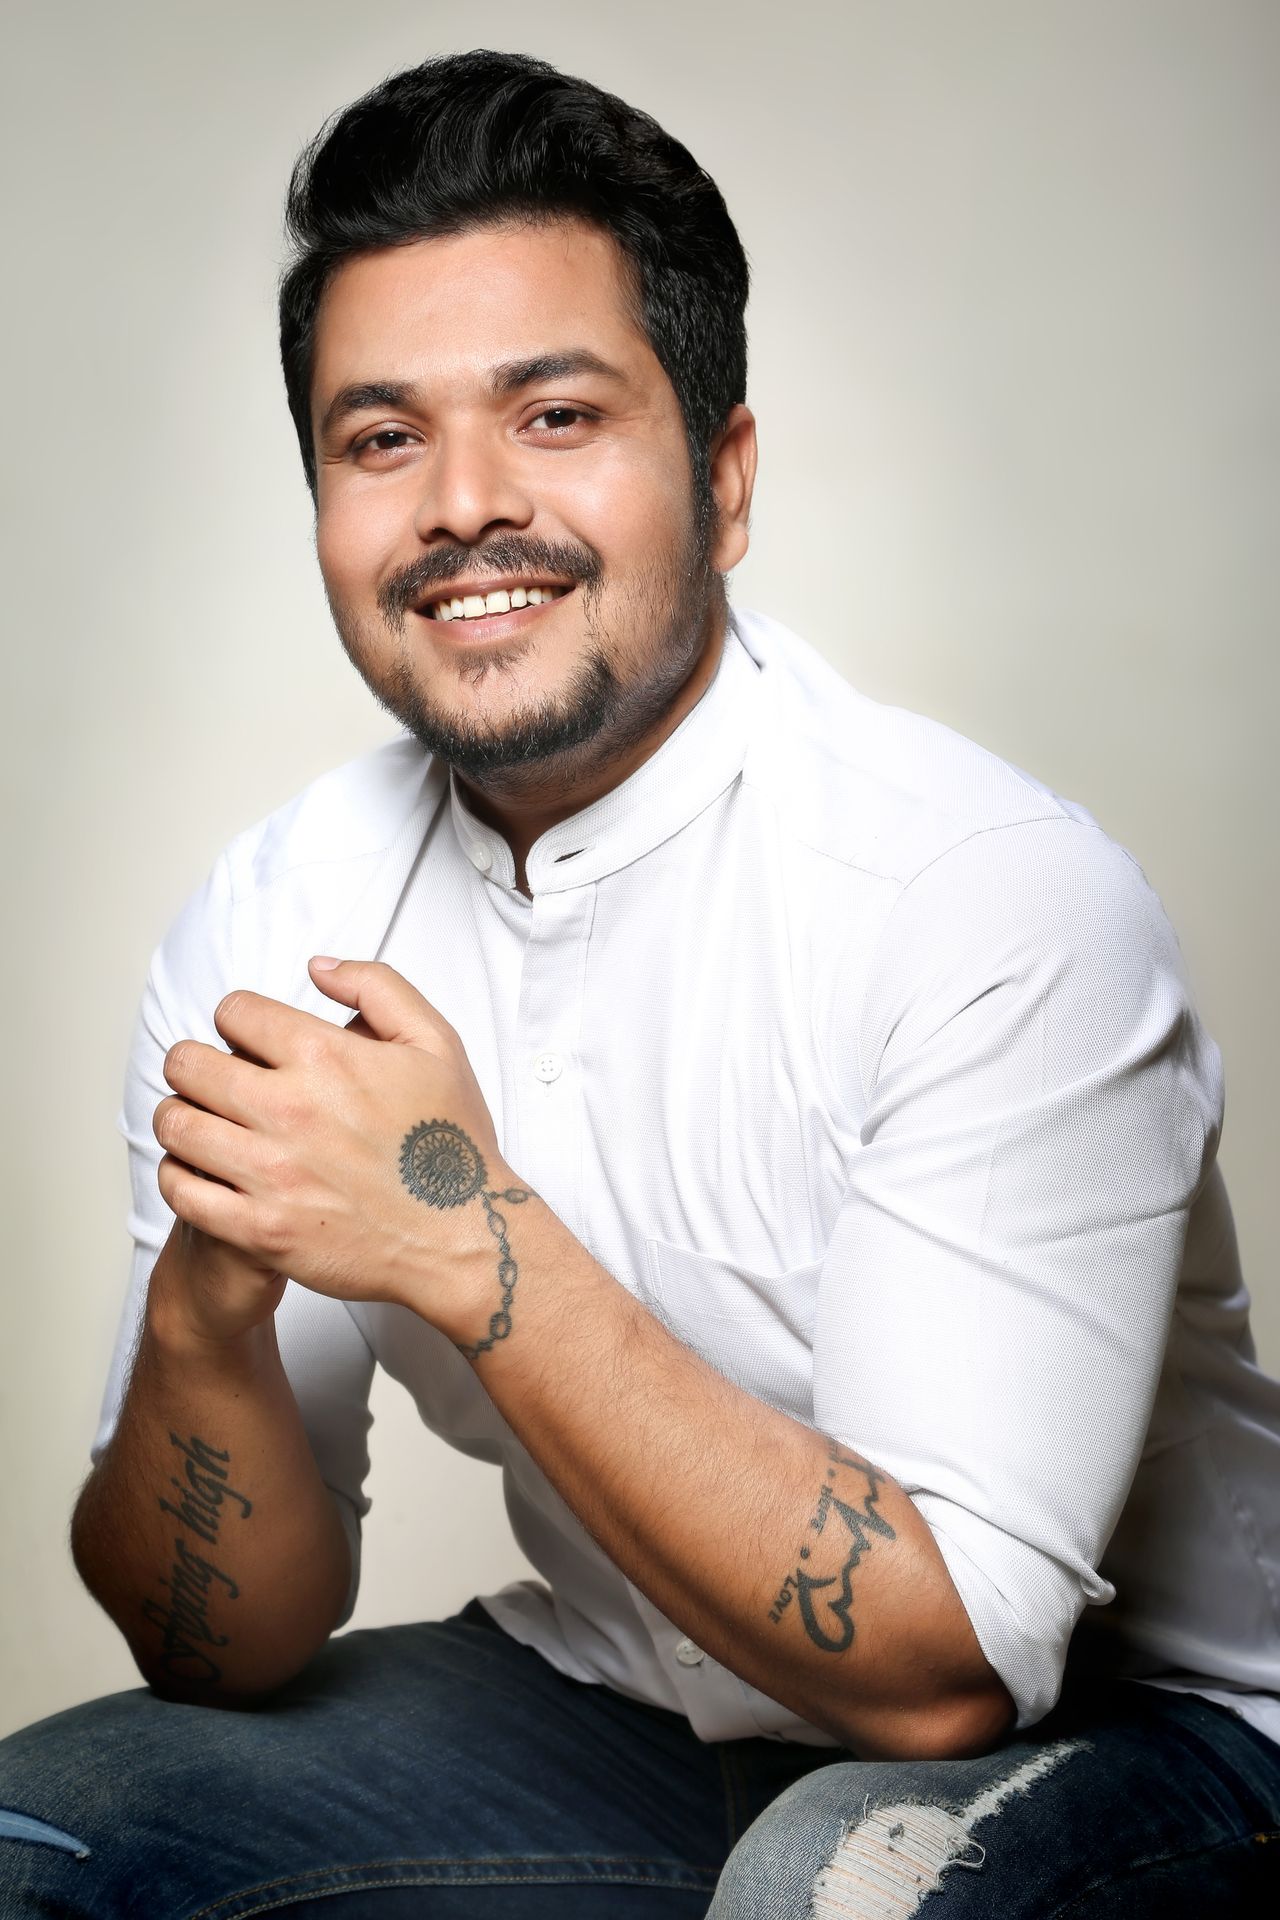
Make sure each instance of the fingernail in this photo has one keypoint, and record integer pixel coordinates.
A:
(324, 962)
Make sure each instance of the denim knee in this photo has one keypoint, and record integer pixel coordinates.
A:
(868, 1840)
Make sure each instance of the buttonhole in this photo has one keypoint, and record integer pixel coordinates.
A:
(569, 856)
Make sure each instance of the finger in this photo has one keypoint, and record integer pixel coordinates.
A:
(205, 1141)
(205, 1204)
(390, 1007)
(225, 1083)
(242, 1053)
(267, 1029)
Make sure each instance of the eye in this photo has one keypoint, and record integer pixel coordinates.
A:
(383, 440)
(560, 420)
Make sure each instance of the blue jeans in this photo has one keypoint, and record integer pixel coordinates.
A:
(445, 1771)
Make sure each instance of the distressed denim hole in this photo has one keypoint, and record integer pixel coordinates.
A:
(893, 1857)
(21, 1826)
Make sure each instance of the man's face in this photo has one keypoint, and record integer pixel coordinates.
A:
(490, 420)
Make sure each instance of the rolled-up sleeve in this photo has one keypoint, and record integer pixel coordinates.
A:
(1041, 1107)
(326, 1358)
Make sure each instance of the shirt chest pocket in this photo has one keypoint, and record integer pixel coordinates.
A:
(756, 1329)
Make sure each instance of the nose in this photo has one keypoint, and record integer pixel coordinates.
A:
(470, 488)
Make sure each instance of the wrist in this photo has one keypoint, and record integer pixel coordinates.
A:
(176, 1336)
(173, 1342)
(527, 1280)
(466, 1271)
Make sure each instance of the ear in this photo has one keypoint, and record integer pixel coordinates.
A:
(733, 477)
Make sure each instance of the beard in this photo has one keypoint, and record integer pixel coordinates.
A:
(597, 715)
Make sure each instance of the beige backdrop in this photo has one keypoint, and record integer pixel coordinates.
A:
(1014, 357)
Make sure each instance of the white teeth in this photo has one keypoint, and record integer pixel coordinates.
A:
(473, 606)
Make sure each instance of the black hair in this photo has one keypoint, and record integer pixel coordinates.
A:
(473, 139)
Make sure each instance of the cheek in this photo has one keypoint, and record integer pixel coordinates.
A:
(632, 511)
(357, 536)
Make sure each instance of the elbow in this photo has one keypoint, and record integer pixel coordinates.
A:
(976, 1725)
(219, 1699)
(242, 1693)
(960, 1728)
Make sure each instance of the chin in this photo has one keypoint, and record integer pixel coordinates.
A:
(539, 731)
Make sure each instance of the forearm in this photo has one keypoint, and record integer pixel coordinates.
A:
(793, 1561)
(205, 1530)
(807, 1572)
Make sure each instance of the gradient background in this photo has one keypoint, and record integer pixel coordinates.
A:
(1014, 359)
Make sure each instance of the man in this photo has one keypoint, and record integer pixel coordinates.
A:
(771, 1128)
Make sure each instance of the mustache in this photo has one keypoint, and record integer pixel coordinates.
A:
(505, 553)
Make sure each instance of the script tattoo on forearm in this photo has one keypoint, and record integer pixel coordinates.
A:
(441, 1166)
(848, 1531)
(202, 1493)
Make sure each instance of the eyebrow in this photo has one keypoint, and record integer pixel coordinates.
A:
(508, 377)
(362, 395)
(511, 375)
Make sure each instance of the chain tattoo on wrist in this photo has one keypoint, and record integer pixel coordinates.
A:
(826, 1615)
(442, 1167)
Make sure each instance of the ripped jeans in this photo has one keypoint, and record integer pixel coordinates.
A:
(443, 1772)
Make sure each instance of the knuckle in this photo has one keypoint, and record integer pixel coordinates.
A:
(229, 1009)
(277, 1166)
(175, 1186)
(271, 1235)
(445, 1039)
(314, 1049)
(179, 1060)
(289, 1112)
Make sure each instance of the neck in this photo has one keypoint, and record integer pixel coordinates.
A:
(529, 802)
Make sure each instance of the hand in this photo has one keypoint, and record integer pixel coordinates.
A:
(360, 1160)
(205, 1295)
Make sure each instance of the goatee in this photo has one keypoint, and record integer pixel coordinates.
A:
(596, 716)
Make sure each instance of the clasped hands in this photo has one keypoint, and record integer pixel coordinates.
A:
(296, 1147)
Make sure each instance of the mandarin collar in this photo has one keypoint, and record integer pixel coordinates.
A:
(691, 768)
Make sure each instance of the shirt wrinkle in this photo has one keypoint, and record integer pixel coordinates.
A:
(964, 1259)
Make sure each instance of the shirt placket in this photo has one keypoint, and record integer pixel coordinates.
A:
(546, 1150)
(545, 1144)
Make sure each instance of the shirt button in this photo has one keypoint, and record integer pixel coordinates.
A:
(689, 1655)
(548, 1067)
(481, 858)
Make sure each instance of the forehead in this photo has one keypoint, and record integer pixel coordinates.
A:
(444, 310)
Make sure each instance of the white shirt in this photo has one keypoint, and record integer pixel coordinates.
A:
(869, 1064)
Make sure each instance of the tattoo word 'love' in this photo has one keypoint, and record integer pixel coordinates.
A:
(826, 1614)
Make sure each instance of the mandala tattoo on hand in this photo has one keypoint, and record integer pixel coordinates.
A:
(441, 1166)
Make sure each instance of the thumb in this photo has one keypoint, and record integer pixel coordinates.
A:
(387, 1007)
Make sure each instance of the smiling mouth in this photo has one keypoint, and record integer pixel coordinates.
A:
(482, 606)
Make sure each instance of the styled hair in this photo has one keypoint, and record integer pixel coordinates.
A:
(476, 139)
